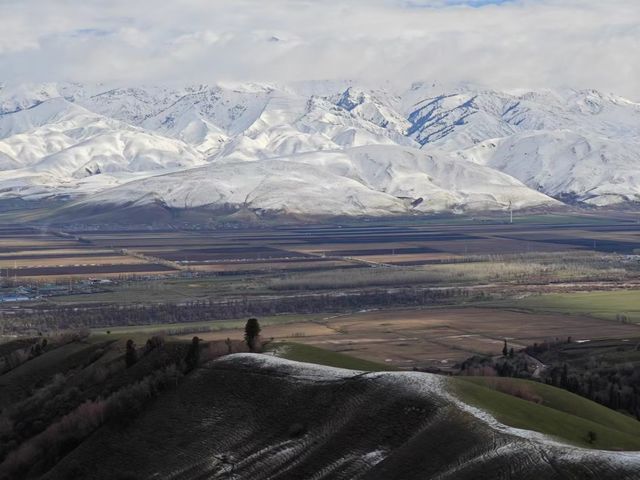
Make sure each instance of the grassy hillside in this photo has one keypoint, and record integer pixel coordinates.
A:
(320, 356)
(54, 396)
(256, 417)
(559, 413)
(551, 411)
(20, 381)
(262, 418)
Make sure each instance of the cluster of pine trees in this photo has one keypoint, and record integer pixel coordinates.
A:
(609, 375)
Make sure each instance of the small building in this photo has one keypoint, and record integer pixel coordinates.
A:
(14, 298)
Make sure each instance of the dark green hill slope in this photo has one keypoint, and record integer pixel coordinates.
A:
(256, 417)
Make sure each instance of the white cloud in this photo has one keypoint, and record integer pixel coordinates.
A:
(522, 43)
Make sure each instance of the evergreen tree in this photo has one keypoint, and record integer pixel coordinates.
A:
(505, 349)
(131, 355)
(193, 355)
(564, 378)
(251, 333)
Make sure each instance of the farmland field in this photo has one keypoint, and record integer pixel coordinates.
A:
(308, 282)
(437, 337)
(611, 305)
(439, 297)
(37, 252)
(38, 255)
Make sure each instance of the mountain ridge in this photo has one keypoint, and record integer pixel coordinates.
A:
(551, 147)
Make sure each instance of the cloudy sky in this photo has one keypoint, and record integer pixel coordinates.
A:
(503, 44)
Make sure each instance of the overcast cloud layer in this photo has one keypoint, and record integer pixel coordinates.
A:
(503, 44)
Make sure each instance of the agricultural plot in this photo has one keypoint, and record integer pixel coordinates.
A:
(36, 255)
(421, 252)
(285, 265)
(435, 337)
(408, 244)
(618, 305)
(91, 270)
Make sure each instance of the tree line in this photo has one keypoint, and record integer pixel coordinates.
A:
(73, 317)
(51, 419)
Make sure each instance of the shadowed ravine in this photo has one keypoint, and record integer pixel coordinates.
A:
(256, 417)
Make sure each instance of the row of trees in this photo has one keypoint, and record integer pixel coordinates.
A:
(74, 317)
(606, 374)
(39, 429)
(51, 419)
(614, 386)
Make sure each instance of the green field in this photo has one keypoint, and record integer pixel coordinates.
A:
(320, 356)
(561, 414)
(607, 305)
(169, 290)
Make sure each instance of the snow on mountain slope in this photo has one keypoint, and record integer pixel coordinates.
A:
(53, 111)
(265, 122)
(207, 117)
(119, 151)
(19, 97)
(48, 145)
(458, 118)
(456, 121)
(373, 180)
(51, 126)
(48, 127)
(481, 148)
(431, 183)
(268, 185)
(132, 105)
(562, 163)
(375, 107)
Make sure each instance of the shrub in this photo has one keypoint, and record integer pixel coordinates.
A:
(516, 389)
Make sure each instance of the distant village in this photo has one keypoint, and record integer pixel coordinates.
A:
(34, 291)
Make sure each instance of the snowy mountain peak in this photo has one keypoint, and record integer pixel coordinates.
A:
(429, 147)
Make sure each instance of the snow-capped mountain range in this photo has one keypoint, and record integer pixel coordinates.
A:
(318, 148)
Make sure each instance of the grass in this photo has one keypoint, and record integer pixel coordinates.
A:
(213, 325)
(170, 289)
(473, 269)
(606, 305)
(561, 414)
(320, 356)
(16, 383)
